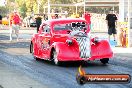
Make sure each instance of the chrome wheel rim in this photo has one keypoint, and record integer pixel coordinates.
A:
(55, 58)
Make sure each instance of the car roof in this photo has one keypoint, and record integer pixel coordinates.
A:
(61, 20)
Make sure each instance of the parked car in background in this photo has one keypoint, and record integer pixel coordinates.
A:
(5, 21)
(29, 22)
(33, 23)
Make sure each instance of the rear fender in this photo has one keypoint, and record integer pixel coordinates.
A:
(57, 46)
(64, 50)
(102, 49)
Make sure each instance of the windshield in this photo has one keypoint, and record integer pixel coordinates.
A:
(70, 26)
(60, 27)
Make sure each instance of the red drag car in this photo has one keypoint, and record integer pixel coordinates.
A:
(60, 40)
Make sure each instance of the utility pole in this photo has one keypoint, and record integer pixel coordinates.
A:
(48, 9)
(129, 17)
(38, 5)
(84, 5)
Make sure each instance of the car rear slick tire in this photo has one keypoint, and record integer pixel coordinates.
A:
(32, 51)
(104, 60)
(55, 59)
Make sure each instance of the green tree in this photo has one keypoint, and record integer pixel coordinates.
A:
(11, 5)
(4, 11)
(26, 7)
(23, 10)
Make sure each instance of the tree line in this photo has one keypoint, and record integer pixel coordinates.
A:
(29, 7)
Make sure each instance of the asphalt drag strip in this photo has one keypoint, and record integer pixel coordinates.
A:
(16, 56)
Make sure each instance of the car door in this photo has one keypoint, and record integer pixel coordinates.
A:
(39, 41)
(45, 41)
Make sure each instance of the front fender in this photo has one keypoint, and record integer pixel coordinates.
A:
(34, 43)
(34, 36)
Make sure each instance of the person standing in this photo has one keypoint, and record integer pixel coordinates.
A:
(111, 21)
(10, 25)
(38, 22)
(87, 17)
(0, 19)
(15, 25)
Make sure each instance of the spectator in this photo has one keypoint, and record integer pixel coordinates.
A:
(10, 25)
(0, 19)
(56, 13)
(111, 20)
(87, 17)
(15, 24)
(38, 22)
(56, 16)
(73, 15)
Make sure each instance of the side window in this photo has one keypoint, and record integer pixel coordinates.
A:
(46, 29)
